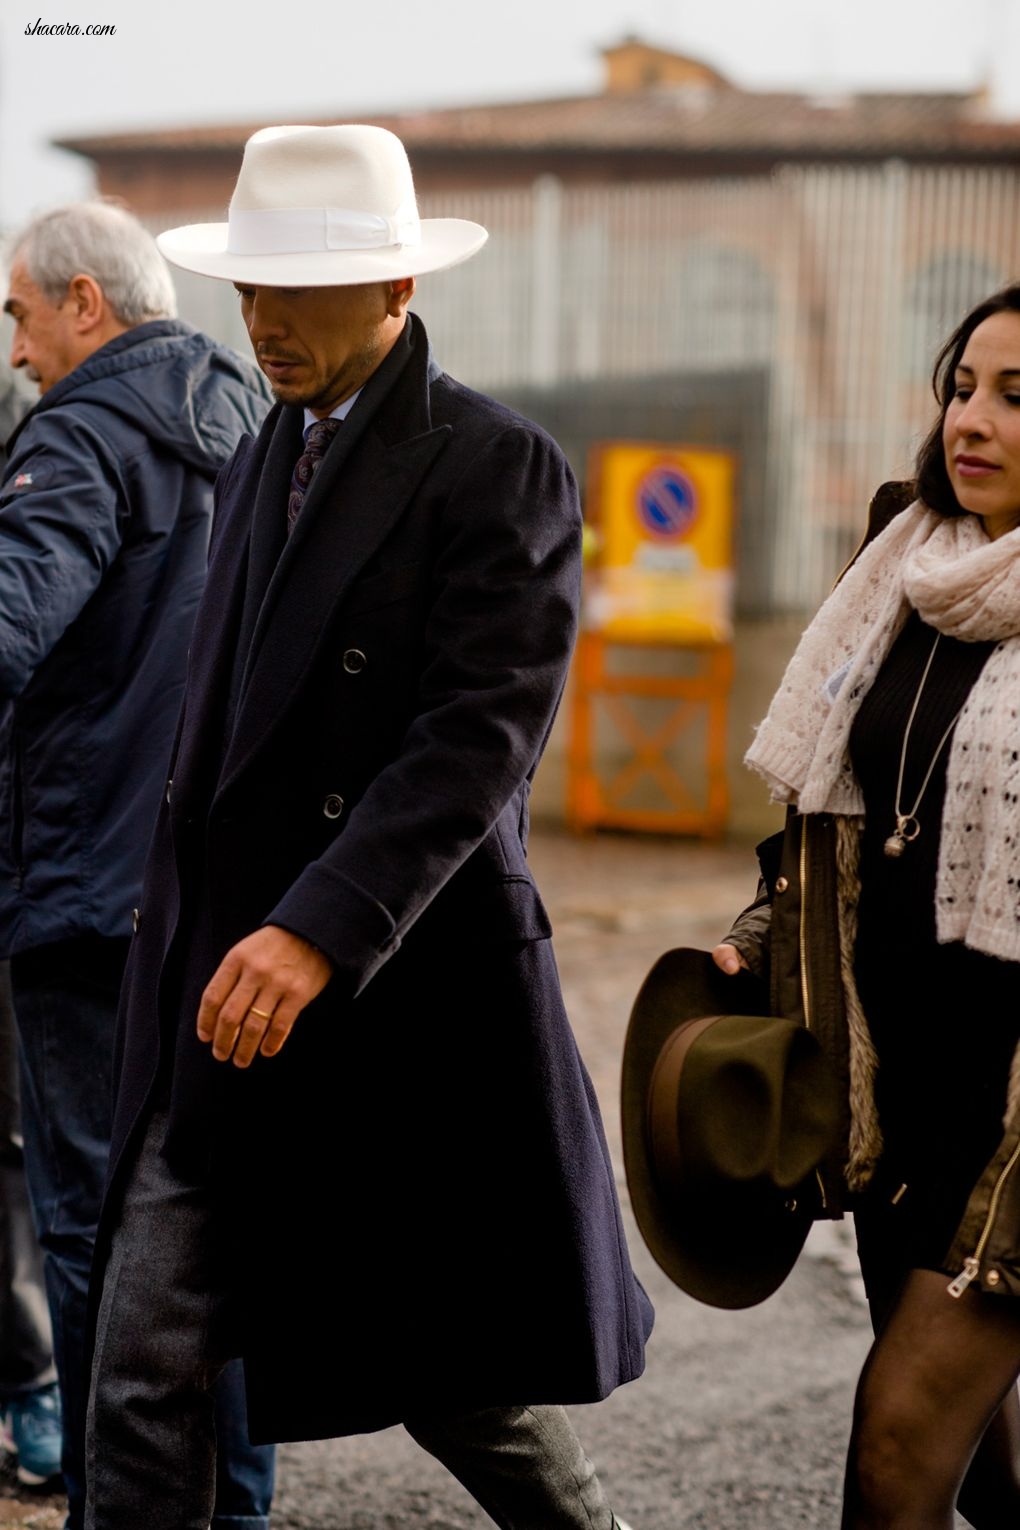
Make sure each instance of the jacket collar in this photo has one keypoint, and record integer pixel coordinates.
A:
(362, 488)
(274, 559)
(135, 347)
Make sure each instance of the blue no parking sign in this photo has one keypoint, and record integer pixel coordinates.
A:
(664, 566)
(667, 502)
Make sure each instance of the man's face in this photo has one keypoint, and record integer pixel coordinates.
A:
(318, 345)
(46, 341)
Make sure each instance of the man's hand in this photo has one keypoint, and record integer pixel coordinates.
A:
(257, 992)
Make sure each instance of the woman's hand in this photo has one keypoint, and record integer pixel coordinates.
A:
(729, 960)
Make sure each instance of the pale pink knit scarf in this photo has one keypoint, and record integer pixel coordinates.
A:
(967, 587)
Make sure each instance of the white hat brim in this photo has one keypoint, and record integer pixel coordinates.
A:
(202, 248)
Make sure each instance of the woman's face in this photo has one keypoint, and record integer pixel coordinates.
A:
(981, 429)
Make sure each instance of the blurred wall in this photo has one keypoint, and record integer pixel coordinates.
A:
(789, 318)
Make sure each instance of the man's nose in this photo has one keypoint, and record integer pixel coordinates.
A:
(18, 357)
(266, 320)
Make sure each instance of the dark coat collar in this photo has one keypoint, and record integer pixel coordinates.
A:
(285, 594)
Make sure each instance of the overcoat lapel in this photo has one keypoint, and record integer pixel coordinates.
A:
(276, 558)
(269, 522)
(363, 487)
(225, 604)
(336, 546)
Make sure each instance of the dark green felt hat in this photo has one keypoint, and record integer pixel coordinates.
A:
(727, 1113)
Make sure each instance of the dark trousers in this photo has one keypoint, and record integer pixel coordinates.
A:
(65, 1000)
(164, 1331)
(26, 1341)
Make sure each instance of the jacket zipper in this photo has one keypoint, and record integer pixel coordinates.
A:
(972, 1266)
(804, 990)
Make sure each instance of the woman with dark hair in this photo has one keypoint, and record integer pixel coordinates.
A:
(889, 922)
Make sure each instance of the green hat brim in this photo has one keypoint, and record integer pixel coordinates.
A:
(733, 1245)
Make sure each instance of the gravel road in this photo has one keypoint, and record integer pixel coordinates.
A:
(741, 1419)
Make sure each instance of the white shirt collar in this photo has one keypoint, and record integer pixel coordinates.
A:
(339, 413)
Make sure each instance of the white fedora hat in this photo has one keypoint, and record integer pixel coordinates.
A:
(322, 207)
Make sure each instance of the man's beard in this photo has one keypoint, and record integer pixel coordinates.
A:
(351, 375)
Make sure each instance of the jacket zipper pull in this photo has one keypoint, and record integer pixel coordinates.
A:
(967, 1274)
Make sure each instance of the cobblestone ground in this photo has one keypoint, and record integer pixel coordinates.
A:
(741, 1419)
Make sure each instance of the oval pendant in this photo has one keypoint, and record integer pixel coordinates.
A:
(894, 844)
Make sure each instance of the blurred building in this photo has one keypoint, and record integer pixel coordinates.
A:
(676, 257)
(679, 259)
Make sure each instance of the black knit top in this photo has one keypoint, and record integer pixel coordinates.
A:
(945, 1020)
(898, 894)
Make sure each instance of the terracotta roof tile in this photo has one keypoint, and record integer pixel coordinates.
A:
(684, 120)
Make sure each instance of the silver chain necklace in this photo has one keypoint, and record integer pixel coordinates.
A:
(907, 827)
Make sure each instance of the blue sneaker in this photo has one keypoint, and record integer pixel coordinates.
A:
(34, 1422)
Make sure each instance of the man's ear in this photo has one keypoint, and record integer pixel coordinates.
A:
(88, 303)
(400, 294)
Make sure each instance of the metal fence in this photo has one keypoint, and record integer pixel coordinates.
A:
(835, 284)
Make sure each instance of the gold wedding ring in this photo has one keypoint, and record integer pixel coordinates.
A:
(260, 1012)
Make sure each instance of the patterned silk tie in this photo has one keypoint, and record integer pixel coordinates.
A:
(316, 442)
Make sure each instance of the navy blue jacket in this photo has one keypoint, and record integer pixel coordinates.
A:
(416, 1196)
(105, 511)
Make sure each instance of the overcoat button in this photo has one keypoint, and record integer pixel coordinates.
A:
(354, 661)
(782, 884)
(136, 919)
(333, 806)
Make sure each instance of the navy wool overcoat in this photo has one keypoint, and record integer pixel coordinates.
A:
(417, 1201)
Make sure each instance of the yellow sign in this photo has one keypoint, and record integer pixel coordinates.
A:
(664, 570)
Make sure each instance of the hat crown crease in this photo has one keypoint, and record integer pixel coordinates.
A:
(742, 1124)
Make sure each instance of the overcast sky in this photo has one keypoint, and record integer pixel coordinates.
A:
(206, 60)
